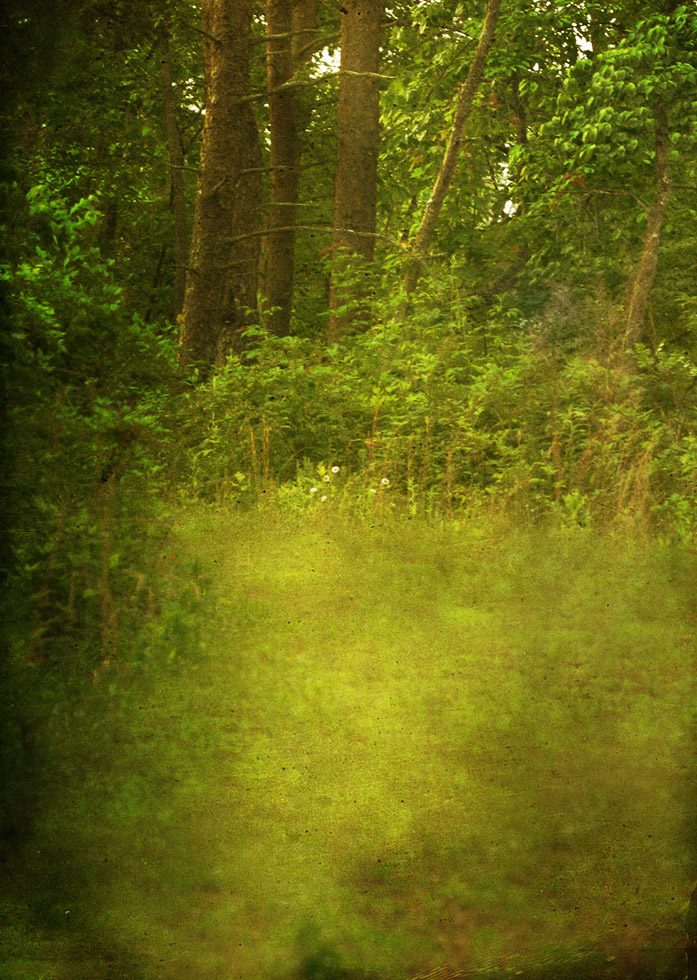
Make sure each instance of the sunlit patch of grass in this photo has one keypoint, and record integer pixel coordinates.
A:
(402, 747)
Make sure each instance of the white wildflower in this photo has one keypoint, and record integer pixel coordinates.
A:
(335, 469)
(384, 482)
(323, 497)
(314, 489)
(326, 478)
(373, 490)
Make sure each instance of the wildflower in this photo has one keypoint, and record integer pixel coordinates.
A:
(314, 489)
(335, 469)
(326, 478)
(323, 497)
(384, 482)
(373, 490)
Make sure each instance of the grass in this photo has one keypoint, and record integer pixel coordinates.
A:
(397, 750)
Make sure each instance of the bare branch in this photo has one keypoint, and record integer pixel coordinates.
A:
(315, 44)
(266, 170)
(262, 233)
(295, 204)
(286, 34)
(307, 82)
(199, 30)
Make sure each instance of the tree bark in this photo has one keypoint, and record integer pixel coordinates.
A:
(645, 273)
(465, 100)
(222, 277)
(304, 29)
(358, 143)
(289, 24)
(176, 169)
(691, 931)
(521, 116)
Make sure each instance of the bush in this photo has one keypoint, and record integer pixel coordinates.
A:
(523, 425)
(88, 391)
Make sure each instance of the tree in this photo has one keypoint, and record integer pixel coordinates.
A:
(447, 169)
(176, 167)
(601, 173)
(645, 273)
(222, 277)
(290, 26)
(358, 144)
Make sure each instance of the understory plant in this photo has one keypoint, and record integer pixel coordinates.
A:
(524, 424)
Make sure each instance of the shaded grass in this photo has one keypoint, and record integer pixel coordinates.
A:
(402, 748)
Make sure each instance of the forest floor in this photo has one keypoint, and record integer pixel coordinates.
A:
(396, 751)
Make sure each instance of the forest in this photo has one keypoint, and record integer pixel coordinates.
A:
(349, 489)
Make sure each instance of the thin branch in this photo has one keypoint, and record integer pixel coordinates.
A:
(260, 170)
(267, 170)
(296, 204)
(199, 30)
(364, 74)
(314, 45)
(263, 232)
(440, 31)
(286, 34)
(616, 192)
(307, 82)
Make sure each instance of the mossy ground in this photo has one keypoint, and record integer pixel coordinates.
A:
(398, 747)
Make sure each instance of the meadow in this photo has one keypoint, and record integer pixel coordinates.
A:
(386, 749)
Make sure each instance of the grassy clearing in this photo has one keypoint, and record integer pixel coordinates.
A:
(399, 748)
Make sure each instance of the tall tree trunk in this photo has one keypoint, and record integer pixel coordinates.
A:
(107, 234)
(176, 169)
(290, 26)
(645, 273)
(222, 276)
(521, 116)
(304, 26)
(465, 100)
(358, 143)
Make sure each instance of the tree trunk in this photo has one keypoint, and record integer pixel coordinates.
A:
(222, 277)
(358, 143)
(176, 168)
(446, 173)
(691, 930)
(290, 27)
(107, 234)
(521, 116)
(645, 274)
(304, 27)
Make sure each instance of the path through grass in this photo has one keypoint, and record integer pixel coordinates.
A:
(400, 749)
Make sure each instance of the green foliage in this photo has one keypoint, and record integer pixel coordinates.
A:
(93, 590)
(521, 425)
(87, 410)
(587, 173)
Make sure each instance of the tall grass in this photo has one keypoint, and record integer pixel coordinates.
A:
(396, 748)
(585, 436)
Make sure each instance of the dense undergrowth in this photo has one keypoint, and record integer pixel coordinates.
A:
(544, 432)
